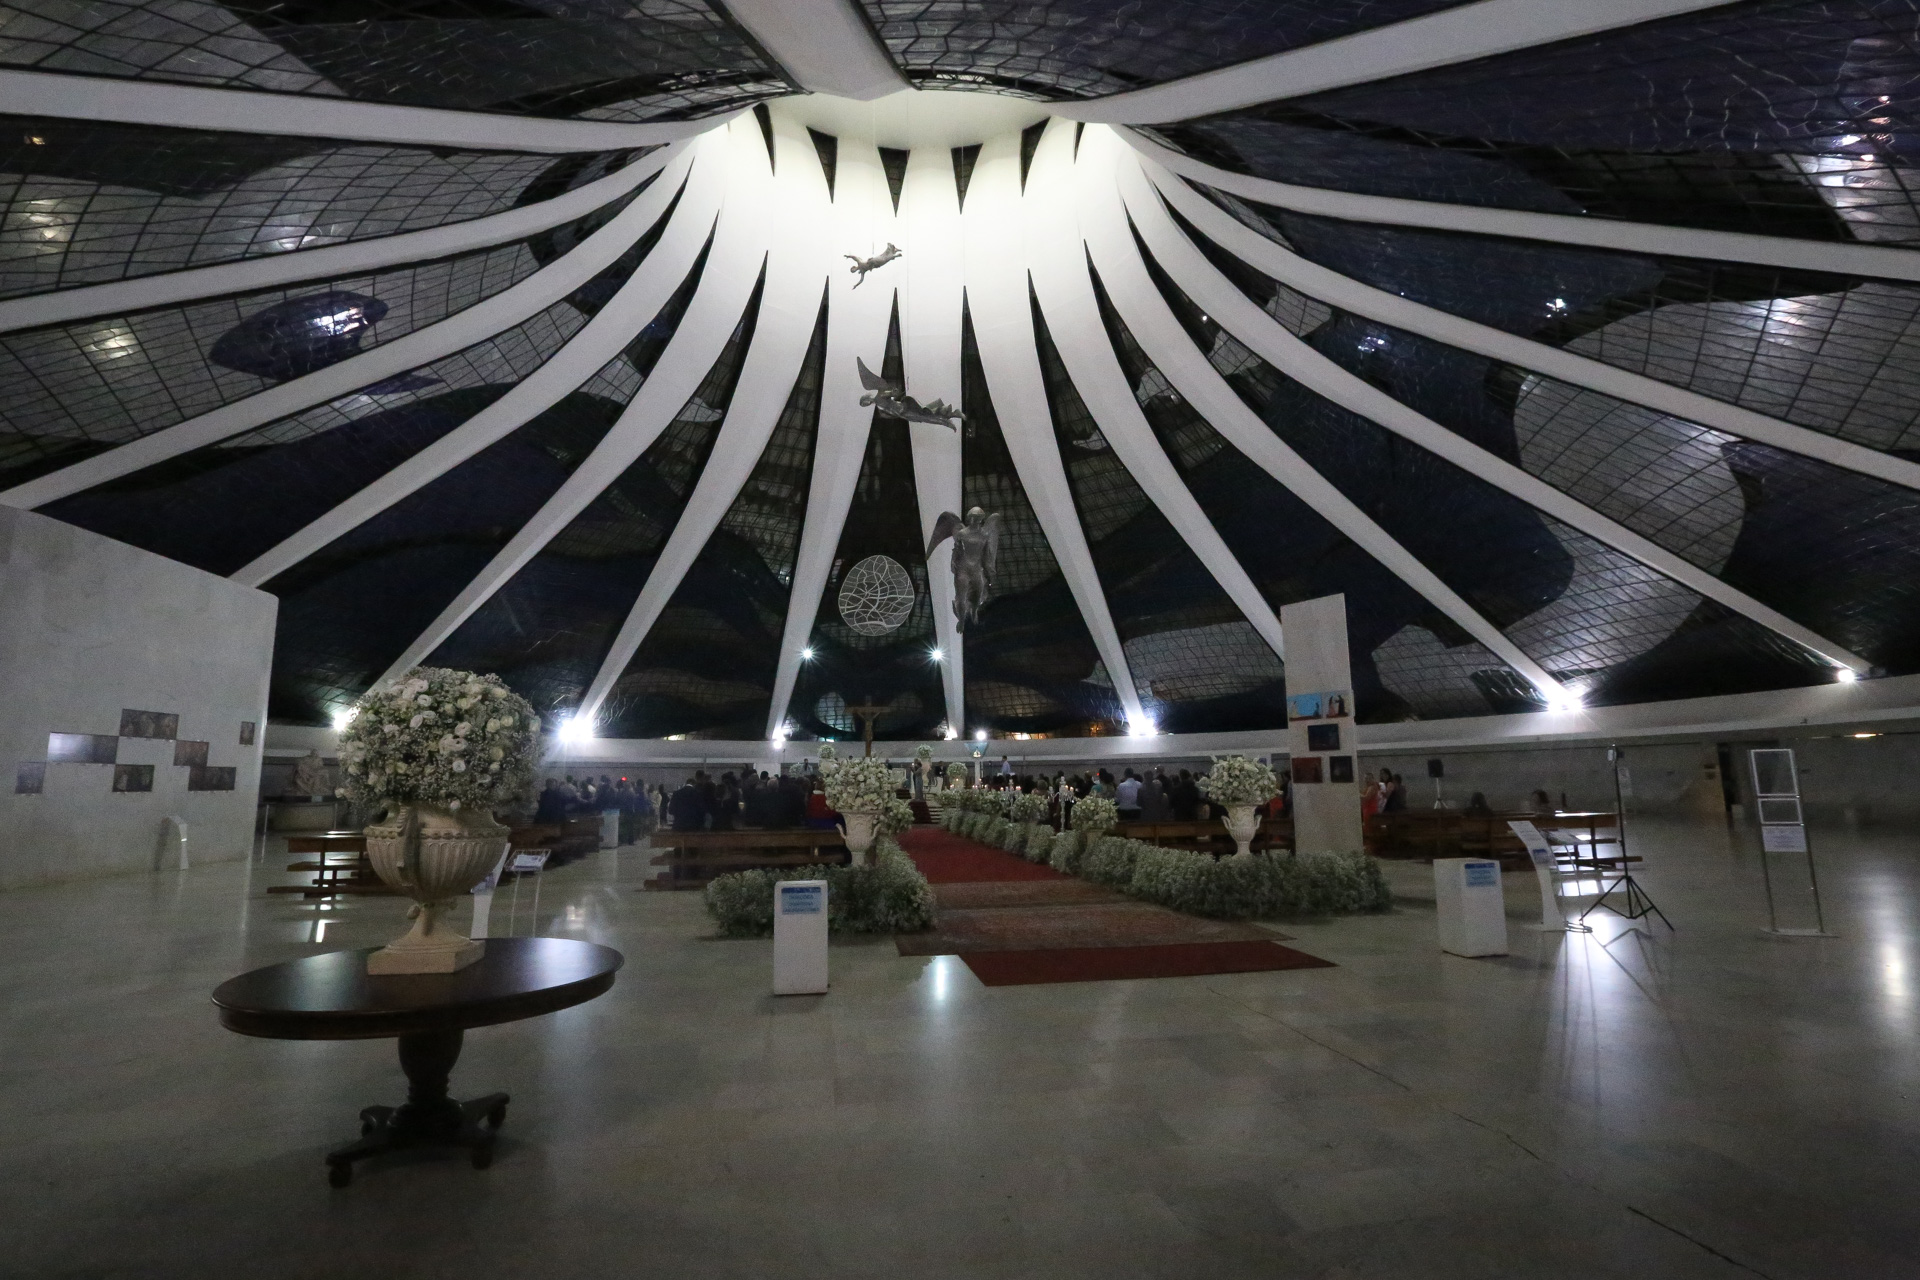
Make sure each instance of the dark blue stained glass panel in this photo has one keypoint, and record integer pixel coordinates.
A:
(707, 665)
(895, 669)
(85, 202)
(547, 630)
(1031, 665)
(546, 57)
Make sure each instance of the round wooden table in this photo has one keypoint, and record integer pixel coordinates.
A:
(332, 997)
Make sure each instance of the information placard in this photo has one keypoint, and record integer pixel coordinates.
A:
(1783, 837)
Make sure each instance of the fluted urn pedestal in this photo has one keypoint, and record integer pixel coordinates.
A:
(433, 856)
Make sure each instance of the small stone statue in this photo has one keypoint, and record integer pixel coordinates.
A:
(976, 547)
(310, 777)
(861, 266)
(892, 399)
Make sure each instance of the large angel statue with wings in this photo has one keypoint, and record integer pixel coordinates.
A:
(976, 545)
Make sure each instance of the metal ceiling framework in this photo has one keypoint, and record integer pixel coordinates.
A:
(755, 201)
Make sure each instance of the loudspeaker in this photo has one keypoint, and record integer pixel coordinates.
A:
(1436, 769)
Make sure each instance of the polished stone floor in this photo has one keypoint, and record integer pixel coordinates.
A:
(1705, 1103)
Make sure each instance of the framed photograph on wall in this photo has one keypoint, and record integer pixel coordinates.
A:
(247, 728)
(1339, 768)
(1323, 737)
(1306, 769)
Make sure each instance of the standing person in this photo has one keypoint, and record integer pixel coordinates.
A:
(726, 802)
(553, 804)
(688, 809)
(1186, 798)
(1370, 797)
(1127, 797)
(1396, 801)
(1153, 801)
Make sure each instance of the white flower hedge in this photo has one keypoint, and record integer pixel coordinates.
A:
(1096, 814)
(889, 896)
(451, 739)
(1236, 780)
(1262, 886)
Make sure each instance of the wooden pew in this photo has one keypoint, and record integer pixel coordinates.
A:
(693, 858)
(1426, 834)
(341, 867)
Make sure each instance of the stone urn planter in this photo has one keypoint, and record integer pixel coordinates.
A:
(1241, 823)
(859, 827)
(433, 856)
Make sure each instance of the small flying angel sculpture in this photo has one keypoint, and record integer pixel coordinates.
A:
(976, 546)
(892, 399)
(861, 266)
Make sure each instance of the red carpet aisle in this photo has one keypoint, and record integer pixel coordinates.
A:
(1016, 923)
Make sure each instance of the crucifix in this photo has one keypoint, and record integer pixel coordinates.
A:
(868, 713)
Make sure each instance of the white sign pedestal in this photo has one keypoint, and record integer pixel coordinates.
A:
(1472, 908)
(1552, 918)
(800, 937)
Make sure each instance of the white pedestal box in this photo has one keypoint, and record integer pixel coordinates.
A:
(800, 937)
(1473, 911)
(609, 828)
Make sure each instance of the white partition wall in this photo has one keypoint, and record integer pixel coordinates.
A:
(135, 689)
(1321, 736)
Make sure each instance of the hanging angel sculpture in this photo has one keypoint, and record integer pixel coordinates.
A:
(976, 546)
(891, 398)
(861, 266)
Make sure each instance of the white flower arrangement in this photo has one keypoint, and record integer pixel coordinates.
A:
(923, 755)
(440, 737)
(863, 785)
(829, 758)
(1236, 780)
(896, 817)
(1029, 808)
(1095, 814)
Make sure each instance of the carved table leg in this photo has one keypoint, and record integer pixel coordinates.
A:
(429, 1117)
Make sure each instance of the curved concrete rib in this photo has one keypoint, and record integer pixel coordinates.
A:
(1268, 339)
(789, 310)
(602, 338)
(1057, 259)
(1377, 304)
(726, 283)
(857, 319)
(187, 106)
(1460, 34)
(423, 346)
(1839, 258)
(1154, 326)
(1002, 314)
(930, 308)
(826, 46)
(142, 293)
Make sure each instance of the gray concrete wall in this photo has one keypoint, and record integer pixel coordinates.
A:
(89, 627)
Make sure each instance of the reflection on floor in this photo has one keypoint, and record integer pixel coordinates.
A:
(1704, 1103)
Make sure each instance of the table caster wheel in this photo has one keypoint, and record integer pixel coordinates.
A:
(497, 1116)
(483, 1154)
(339, 1175)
